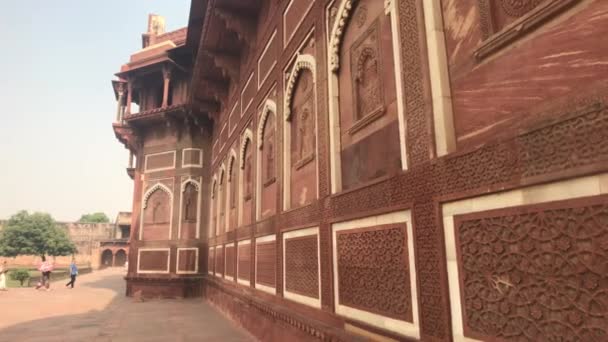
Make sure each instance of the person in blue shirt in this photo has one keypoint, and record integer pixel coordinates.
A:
(73, 274)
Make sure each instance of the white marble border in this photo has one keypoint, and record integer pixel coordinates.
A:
(556, 191)
(240, 280)
(267, 238)
(177, 271)
(209, 270)
(391, 324)
(314, 302)
(139, 271)
(200, 151)
(146, 170)
(219, 275)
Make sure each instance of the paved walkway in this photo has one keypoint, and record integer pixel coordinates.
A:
(97, 310)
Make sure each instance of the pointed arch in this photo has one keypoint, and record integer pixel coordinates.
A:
(157, 186)
(269, 107)
(192, 181)
(222, 173)
(303, 61)
(231, 161)
(197, 186)
(246, 139)
(337, 32)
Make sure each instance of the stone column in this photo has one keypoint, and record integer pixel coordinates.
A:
(166, 80)
(129, 96)
(121, 93)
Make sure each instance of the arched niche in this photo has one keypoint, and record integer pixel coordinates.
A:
(157, 213)
(221, 201)
(300, 138)
(213, 207)
(266, 166)
(190, 210)
(232, 195)
(367, 132)
(246, 178)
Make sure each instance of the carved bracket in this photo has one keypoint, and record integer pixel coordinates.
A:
(228, 63)
(243, 26)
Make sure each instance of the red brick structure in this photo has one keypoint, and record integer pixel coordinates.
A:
(406, 169)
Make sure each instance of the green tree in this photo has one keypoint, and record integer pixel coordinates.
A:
(94, 218)
(35, 234)
(21, 275)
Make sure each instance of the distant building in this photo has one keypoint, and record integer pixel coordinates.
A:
(92, 240)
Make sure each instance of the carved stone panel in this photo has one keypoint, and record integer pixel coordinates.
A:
(373, 270)
(219, 261)
(244, 261)
(496, 14)
(190, 204)
(366, 74)
(535, 273)
(187, 260)
(302, 266)
(266, 263)
(303, 121)
(230, 262)
(248, 172)
(233, 187)
(269, 152)
(211, 260)
(153, 261)
(157, 216)
(189, 212)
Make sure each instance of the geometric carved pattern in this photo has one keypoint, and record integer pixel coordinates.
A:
(244, 261)
(230, 261)
(302, 266)
(580, 140)
(219, 261)
(211, 260)
(535, 273)
(373, 270)
(266, 263)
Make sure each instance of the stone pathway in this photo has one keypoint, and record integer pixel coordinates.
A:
(97, 310)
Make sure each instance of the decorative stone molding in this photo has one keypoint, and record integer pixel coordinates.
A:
(192, 181)
(247, 138)
(344, 13)
(157, 186)
(222, 173)
(303, 61)
(528, 22)
(269, 107)
(231, 162)
(387, 6)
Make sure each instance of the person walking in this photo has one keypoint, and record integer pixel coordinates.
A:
(73, 274)
(45, 268)
(3, 271)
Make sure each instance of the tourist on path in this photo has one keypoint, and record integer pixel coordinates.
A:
(45, 268)
(3, 271)
(73, 274)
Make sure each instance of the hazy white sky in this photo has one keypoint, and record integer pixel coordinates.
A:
(58, 153)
